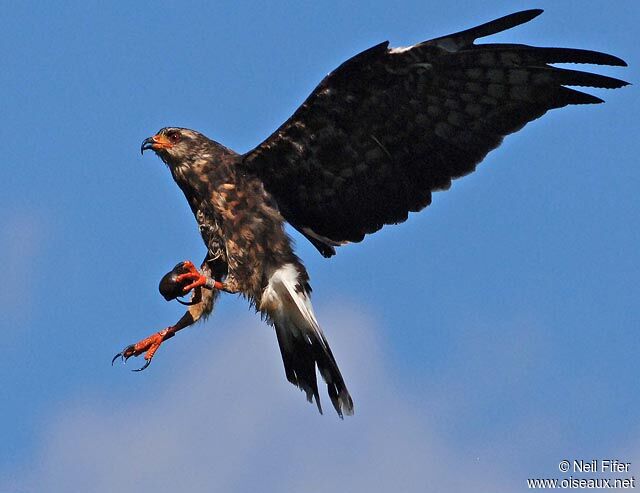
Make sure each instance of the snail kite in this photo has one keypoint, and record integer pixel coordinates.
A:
(370, 144)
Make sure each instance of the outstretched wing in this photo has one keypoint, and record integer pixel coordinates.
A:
(390, 126)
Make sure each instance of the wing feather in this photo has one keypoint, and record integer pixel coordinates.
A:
(390, 126)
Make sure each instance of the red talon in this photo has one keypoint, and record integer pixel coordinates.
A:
(148, 346)
(192, 274)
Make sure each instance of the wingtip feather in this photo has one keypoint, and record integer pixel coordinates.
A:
(467, 37)
(503, 23)
(575, 55)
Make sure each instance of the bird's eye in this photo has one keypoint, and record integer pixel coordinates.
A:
(174, 137)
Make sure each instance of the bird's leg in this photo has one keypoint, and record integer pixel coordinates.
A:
(201, 304)
(191, 274)
(199, 279)
(202, 279)
(151, 344)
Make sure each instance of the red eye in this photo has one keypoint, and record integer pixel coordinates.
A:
(174, 137)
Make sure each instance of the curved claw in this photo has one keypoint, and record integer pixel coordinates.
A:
(144, 367)
(148, 346)
(124, 355)
(186, 303)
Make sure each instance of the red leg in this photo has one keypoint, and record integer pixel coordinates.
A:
(148, 346)
(198, 279)
(193, 274)
(201, 304)
(151, 344)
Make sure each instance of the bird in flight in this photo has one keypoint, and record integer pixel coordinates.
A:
(372, 142)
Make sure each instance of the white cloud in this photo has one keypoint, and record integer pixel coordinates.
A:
(20, 244)
(231, 422)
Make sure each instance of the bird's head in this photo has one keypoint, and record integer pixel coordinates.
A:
(174, 145)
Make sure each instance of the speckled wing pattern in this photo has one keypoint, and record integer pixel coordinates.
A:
(390, 126)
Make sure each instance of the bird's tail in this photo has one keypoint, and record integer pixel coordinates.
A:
(302, 343)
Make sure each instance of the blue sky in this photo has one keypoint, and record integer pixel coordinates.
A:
(483, 340)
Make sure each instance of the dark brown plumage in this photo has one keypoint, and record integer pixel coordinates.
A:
(369, 145)
(390, 126)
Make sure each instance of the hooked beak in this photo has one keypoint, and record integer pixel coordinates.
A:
(155, 143)
(146, 144)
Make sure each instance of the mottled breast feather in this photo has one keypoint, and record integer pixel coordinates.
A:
(390, 126)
